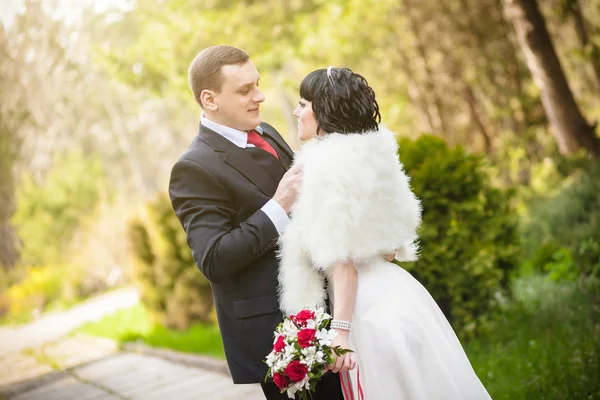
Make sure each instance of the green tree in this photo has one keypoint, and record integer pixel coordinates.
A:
(455, 69)
(571, 130)
(11, 115)
(49, 213)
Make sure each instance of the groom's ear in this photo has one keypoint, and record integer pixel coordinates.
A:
(209, 102)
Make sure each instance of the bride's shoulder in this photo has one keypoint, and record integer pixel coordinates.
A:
(337, 149)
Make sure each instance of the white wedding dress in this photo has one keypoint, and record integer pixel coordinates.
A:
(404, 346)
(355, 203)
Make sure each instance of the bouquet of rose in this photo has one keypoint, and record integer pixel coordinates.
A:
(301, 352)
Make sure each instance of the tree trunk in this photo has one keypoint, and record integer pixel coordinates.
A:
(128, 148)
(465, 22)
(477, 119)
(582, 35)
(8, 239)
(415, 94)
(431, 89)
(572, 132)
(524, 125)
(8, 148)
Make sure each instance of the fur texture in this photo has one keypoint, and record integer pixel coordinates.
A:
(355, 203)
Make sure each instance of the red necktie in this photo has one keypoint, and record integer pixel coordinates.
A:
(255, 139)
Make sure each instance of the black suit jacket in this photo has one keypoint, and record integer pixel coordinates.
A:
(217, 190)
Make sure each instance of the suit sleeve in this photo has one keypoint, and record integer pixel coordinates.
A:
(206, 212)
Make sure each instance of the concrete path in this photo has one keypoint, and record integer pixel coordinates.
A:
(39, 361)
(53, 326)
(86, 368)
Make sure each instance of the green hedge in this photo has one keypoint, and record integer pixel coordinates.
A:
(469, 236)
(172, 288)
(567, 226)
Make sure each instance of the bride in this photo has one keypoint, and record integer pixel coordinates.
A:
(355, 207)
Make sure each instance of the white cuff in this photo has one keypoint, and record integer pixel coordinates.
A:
(277, 215)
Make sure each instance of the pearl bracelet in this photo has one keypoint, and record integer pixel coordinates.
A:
(342, 325)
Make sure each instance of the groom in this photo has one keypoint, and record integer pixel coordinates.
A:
(232, 194)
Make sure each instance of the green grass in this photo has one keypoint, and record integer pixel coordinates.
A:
(135, 324)
(545, 344)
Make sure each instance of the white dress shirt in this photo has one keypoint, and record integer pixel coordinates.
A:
(273, 209)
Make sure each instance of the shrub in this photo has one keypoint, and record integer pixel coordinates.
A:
(172, 288)
(41, 287)
(468, 239)
(552, 260)
(545, 343)
(569, 219)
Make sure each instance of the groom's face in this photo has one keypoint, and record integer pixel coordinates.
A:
(238, 102)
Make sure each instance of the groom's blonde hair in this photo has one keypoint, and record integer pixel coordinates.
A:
(205, 72)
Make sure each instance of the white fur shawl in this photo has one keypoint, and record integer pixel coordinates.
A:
(355, 203)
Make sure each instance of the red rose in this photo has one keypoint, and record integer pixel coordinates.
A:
(306, 337)
(303, 316)
(280, 380)
(279, 344)
(296, 371)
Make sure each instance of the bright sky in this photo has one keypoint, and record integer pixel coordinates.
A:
(67, 10)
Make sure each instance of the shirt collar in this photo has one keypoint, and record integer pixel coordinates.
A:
(237, 137)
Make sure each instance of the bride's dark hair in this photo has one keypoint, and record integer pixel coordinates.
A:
(343, 102)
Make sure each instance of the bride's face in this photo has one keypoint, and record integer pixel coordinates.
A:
(307, 124)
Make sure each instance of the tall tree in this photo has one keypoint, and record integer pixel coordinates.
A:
(572, 9)
(13, 113)
(572, 132)
(53, 100)
(9, 114)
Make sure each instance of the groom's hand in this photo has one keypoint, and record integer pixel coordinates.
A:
(287, 191)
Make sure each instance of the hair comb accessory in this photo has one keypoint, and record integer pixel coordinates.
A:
(329, 76)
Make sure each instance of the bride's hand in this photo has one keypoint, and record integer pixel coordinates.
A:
(389, 256)
(344, 362)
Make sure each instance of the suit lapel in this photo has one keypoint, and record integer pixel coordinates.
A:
(284, 158)
(238, 159)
